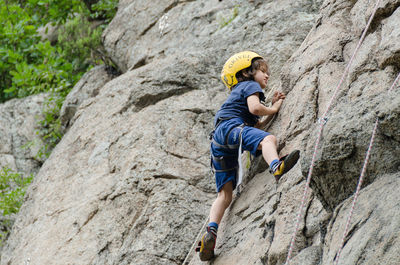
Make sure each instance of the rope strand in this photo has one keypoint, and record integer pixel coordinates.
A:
(186, 262)
(357, 191)
(395, 82)
(360, 181)
(322, 123)
(352, 57)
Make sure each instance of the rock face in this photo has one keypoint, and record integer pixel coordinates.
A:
(375, 226)
(87, 87)
(130, 182)
(363, 97)
(18, 140)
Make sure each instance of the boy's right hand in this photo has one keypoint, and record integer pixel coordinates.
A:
(277, 96)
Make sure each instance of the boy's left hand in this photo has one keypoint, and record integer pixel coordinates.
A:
(277, 96)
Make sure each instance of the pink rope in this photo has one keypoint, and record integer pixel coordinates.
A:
(300, 213)
(360, 181)
(357, 191)
(322, 123)
(353, 56)
(395, 82)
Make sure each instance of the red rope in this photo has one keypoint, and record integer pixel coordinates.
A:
(322, 123)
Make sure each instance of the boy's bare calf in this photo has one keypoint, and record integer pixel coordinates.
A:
(268, 146)
(222, 202)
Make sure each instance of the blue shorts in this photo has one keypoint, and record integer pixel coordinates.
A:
(227, 133)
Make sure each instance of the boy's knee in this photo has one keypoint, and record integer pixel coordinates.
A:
(269, 139)
(225, 195)
(226, 198)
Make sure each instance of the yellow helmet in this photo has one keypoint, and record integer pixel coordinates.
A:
(234, 64)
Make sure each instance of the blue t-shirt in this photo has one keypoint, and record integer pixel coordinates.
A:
(236, 104)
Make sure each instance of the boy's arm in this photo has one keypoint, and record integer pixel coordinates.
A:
(256, 108)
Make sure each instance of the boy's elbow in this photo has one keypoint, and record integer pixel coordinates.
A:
(257, 110)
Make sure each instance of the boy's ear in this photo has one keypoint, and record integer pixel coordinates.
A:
(245, 74)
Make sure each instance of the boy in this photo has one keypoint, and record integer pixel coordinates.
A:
(236, 126)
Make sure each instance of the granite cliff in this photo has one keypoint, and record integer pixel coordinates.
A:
(130, 182)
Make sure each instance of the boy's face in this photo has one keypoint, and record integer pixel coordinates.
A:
(261, 77)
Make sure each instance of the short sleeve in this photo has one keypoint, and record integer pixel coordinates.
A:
(252, 88)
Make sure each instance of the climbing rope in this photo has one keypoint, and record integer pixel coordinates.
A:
(322, 122)
(395, 82)
(360, 181)
(186, 262)
(357, 191)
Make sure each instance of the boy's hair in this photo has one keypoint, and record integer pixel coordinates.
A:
(256, 64)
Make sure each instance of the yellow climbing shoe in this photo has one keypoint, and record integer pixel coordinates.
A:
(206, 246)
(287, 163)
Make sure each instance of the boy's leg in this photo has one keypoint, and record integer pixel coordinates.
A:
(222, 202)
(278, 167)
(268, 147)
(207, 243)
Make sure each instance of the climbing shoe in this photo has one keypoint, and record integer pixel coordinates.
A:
(286, 164)
(206, 245)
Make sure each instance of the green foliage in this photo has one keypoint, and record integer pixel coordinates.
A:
(12, 191)
(12, 187)
(52, 71)
(81, 43)
(45, 11)
(50, 132)
(104, 9)
(29, 65)
(17, 37)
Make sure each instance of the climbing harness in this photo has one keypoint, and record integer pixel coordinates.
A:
(360, 181)
(321, 126)
(226, 145)
(240, 173)
(218, 164)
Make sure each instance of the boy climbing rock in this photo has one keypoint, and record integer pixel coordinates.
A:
(236, 128)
